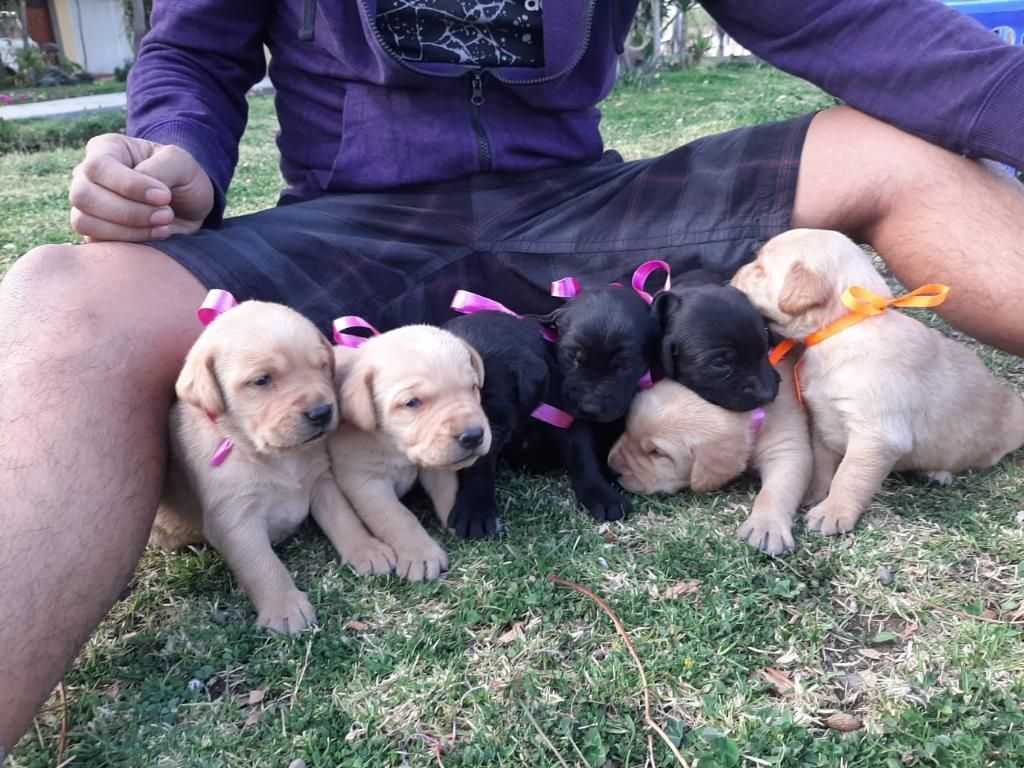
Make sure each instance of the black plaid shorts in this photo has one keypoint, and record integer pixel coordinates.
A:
(397, 257)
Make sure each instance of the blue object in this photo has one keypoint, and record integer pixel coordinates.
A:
(1004, 17)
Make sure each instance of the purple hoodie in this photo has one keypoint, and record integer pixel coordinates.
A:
(353, 117)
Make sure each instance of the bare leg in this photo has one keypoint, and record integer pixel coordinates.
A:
(825, 463)
(91, 339)
(933, 216)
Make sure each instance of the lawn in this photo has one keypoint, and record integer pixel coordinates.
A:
(49, 93)
(907, 624)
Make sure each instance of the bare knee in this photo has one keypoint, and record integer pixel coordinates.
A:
(856, 171)
(114, 306)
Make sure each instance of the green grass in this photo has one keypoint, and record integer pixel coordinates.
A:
(31, 95)
(933, 688)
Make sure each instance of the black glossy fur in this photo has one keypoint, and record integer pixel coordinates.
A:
(607, 340)
(515, 383)
(715, 343)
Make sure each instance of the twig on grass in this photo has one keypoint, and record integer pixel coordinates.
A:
(62, 745)
(547, 741)
(636, 658)
(302, 674)
(962, 614)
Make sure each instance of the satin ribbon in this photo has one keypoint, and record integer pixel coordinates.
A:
(756, 421)
(862, 304)
(216, 303)
(467, 302)
(569, 287)
(644, 271)
(553, 416)
(347, 323)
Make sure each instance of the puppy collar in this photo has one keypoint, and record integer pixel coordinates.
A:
(862, 304)
(756, 421)
(467, 302)
(216, 303)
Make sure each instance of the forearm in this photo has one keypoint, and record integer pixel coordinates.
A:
(916, 64)
(188, 86)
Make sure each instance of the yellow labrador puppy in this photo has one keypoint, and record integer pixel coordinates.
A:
(675, 439)
(410, 402)
(886, 393)
(248, 456)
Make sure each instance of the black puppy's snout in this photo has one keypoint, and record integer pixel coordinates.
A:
(764, 391)
(320, 415)
(471, 438)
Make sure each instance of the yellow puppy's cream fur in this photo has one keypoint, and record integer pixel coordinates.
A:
(675, 439)
(888, 393)
(407, 396)
(258, 370)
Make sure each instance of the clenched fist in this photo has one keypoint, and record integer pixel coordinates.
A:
(133, 190)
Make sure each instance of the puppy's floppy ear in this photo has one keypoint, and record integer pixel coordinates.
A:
(197, 383)
(551, 318)
(476, 361)
(803, 289)
(330, 355)
(664, 304)
(531, 381)
(717, 460)
(357, 403)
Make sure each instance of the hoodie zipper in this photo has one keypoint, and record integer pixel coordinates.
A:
(476, 99)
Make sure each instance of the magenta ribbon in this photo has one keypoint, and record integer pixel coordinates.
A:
(756, 421)
(566, 288)
(216, 303)
(644, 271)
(553, 416)
(347, 323)
(467, 302)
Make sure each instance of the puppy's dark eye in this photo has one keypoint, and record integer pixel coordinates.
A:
(414, 403)
(261, 381)
(655, 453)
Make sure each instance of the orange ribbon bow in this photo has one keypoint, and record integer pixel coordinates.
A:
(862, 304)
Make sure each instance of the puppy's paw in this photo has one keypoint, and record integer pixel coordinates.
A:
(287, 612)
(467, 523)
(831, 519)
(940, 477)
(369, 557)
(421, 560)
(604, 503)
(772, 534)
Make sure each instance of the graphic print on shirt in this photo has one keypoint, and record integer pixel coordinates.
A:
(475, 32)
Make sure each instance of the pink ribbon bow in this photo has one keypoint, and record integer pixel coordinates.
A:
(756, 421)
(216, 303)
(467, 302)
(347, 323)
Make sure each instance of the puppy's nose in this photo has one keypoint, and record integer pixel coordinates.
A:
(320, 415)
(471, 438)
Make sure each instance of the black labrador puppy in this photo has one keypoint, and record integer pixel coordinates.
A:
(714, 342)
(516, 379)
(607, 341)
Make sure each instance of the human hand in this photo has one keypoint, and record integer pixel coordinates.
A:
(133, 190)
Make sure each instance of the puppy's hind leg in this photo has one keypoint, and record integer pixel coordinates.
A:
(356, 547)
(868, 459)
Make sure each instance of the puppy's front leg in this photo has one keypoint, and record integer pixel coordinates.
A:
(587, 472)
(417, 556)
(246, 548)
(869, 458)
(785, 469)
(475, 513)
(366, 555)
